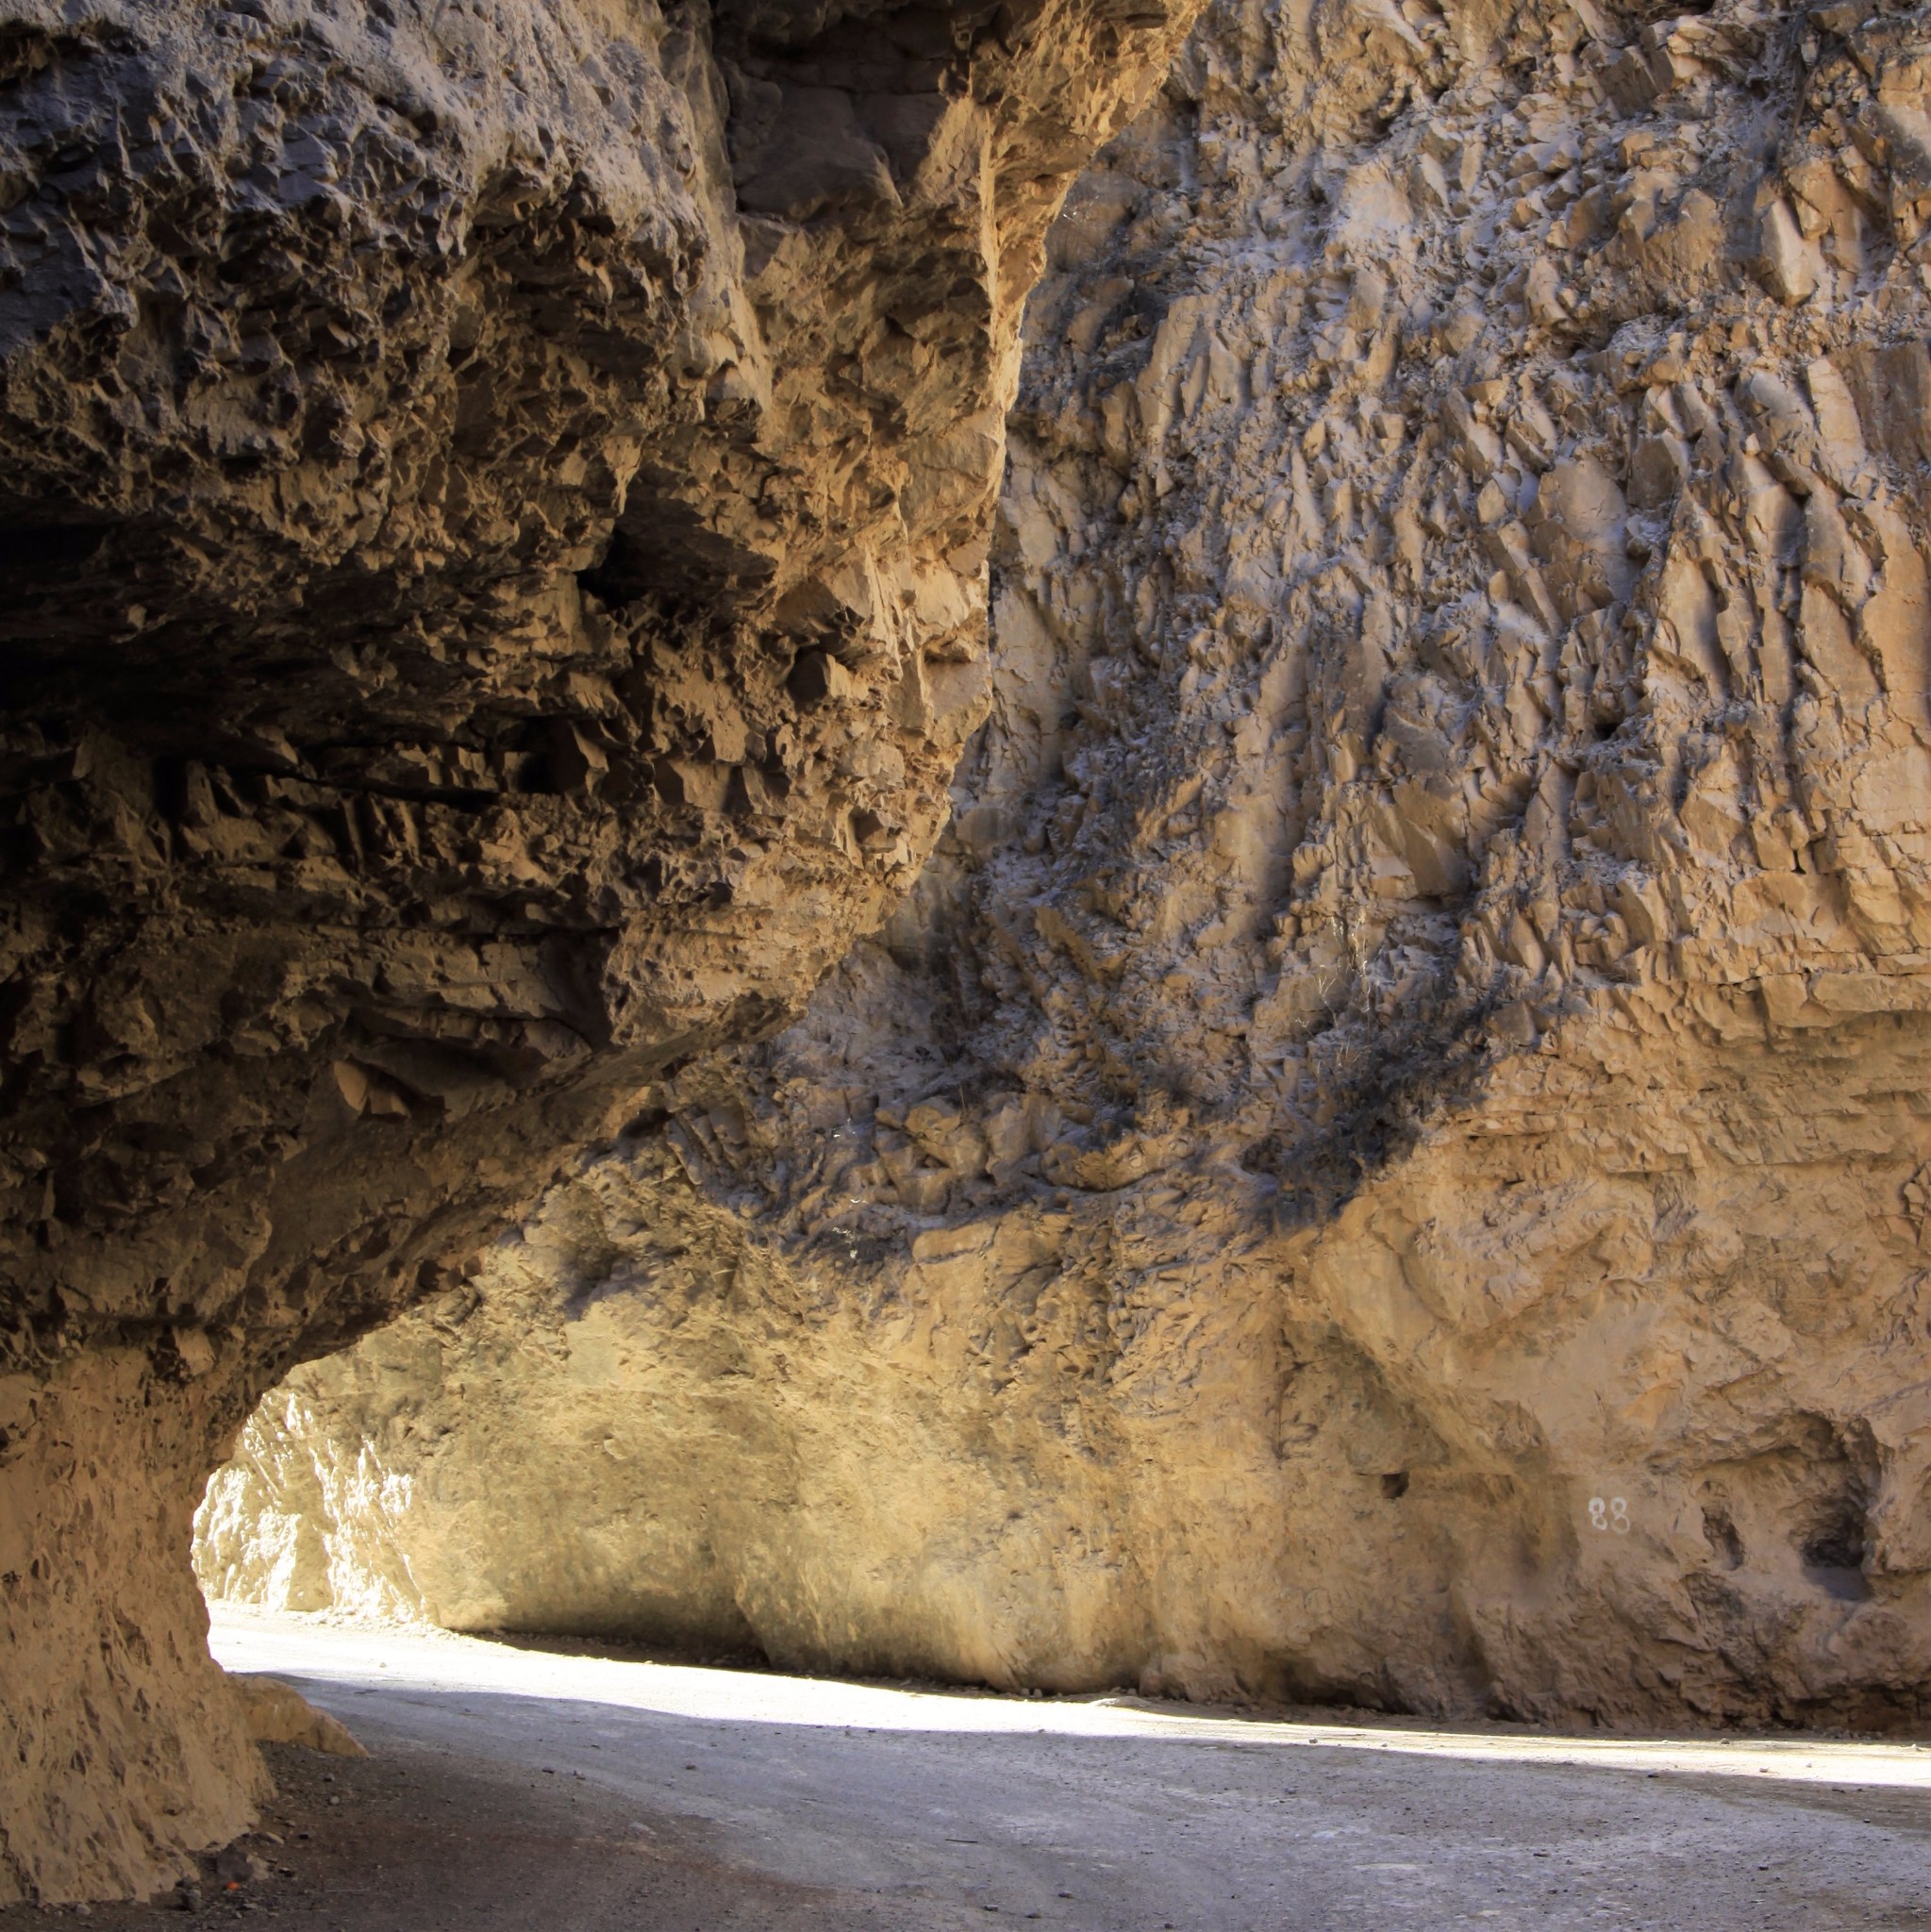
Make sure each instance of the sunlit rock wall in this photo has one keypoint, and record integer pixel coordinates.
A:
(1386, 1159)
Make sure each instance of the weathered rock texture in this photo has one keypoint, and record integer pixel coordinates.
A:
(1389, 1158)
(276, 1713)
(494, 502)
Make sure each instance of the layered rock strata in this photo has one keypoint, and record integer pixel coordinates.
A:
(1386, 1158)
(494, 502)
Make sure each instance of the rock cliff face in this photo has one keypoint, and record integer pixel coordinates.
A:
(1386, 1157)
(494, 504)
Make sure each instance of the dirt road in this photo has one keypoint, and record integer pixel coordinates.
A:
(510, 1788)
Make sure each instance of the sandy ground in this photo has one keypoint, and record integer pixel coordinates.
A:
(513, 1788)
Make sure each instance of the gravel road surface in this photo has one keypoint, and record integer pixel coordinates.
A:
(511, 1787)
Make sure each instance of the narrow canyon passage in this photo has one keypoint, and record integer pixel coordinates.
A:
(510, 1787)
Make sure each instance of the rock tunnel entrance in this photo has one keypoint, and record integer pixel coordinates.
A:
(1177, 1250)
(1376, 1158)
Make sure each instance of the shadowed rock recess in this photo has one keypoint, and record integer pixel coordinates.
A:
(493, 508)
(1386, 1158)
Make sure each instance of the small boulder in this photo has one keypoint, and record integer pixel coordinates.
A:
(276, 1714)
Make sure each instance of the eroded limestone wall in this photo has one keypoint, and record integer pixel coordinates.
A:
(493, 509)
(1386, 1158)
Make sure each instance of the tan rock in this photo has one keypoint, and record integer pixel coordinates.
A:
(1434, 948)
(276, 1713)
(495, 508)
(1789, 264)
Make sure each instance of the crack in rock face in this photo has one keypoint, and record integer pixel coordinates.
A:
(1384, 1158)
(493, 512)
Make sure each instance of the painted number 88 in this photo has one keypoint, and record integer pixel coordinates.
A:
(1612, 1515)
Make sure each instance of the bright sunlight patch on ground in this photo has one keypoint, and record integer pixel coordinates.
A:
(439, 1661)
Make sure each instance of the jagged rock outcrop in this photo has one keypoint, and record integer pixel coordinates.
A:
(493, 504)
(1386, 1159)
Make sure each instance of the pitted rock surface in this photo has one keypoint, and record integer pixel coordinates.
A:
(1384, 1158)
(494, 502)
